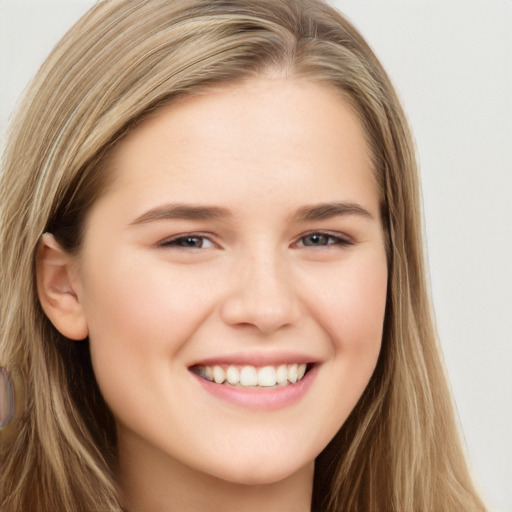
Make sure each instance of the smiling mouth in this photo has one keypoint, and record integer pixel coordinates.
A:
(249, 376)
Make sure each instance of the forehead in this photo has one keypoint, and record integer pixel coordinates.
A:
(254, 136)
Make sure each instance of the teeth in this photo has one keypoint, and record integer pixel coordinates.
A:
(282, 374)
(250, 376)
(208, 372)
(233, 375)
(219, 375)
(292, 373)
(267, 376)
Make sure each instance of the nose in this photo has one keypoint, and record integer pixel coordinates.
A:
(261, 294)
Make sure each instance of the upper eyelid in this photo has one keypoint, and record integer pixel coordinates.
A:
(180, 236)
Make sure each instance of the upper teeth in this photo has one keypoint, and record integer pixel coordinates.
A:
(249, 376)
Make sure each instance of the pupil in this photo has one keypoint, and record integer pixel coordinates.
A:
(317, 239)
(193, 241)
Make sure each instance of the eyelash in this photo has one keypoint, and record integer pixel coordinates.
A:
(186, 241)
(329, 237)
(181, 241)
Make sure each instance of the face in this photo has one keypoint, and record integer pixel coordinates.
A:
(233, 279)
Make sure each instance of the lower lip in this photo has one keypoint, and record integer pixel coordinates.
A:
(272, 398)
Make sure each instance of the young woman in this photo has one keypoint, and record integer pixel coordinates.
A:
(212, 273)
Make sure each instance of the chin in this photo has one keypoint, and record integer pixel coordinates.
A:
(257, 474)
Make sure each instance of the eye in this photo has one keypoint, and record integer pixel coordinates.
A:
(323, 239)
(188, 241)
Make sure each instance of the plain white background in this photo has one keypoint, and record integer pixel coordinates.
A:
(451, 62)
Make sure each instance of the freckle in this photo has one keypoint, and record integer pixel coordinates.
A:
(6, 398)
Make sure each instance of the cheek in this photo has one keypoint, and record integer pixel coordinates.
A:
(141, 305)
(140, 317)
(352, 314)
(351, 306)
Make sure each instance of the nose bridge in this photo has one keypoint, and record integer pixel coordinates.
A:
(261, 291)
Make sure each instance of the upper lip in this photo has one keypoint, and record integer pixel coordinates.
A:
(256, 359)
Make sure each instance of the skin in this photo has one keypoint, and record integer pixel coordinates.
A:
(262, 150)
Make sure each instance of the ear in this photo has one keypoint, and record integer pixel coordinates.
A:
(56, 287)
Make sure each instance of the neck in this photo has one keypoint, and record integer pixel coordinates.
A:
(153, 481)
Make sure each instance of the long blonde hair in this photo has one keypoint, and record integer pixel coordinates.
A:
(400, 449)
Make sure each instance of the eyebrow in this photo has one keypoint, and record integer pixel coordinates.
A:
(328, 210)
(191, 212)
(182, 211)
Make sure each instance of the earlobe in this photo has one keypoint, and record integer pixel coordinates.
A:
(56, 287)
